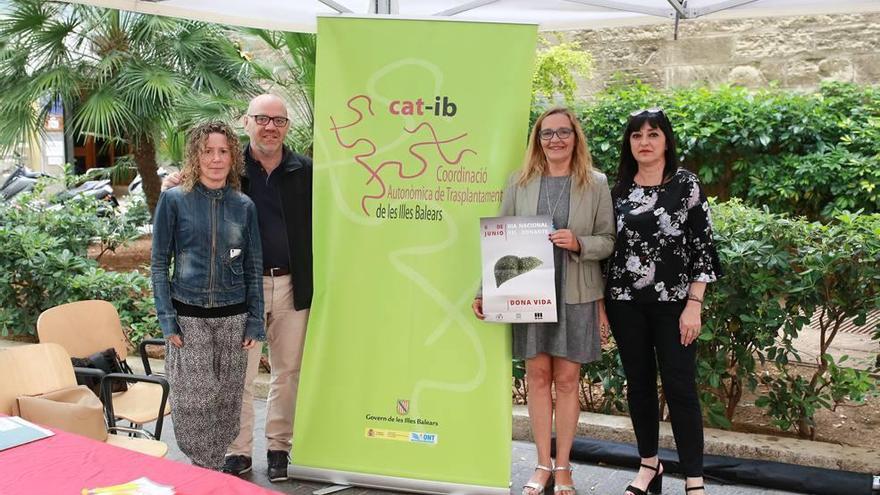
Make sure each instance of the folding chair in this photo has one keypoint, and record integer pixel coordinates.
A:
(36, 369)
(84, 328)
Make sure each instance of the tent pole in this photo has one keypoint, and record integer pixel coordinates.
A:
(675, 32)
(383, 7)
(677, 19)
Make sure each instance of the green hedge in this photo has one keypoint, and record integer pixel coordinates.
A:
(804, 154)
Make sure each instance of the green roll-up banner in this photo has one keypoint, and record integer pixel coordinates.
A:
(418, 124)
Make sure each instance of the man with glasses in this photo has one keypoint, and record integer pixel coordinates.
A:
(279, 182)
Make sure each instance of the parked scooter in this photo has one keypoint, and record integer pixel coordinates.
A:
(20, 180)
(98, 189)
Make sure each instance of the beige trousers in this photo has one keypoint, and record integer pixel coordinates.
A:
(285, 334)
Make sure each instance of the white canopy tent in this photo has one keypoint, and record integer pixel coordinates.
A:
(300, 15)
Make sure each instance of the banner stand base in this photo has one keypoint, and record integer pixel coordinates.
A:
(391, 482)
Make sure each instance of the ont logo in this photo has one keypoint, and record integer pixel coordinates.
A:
(442, 106)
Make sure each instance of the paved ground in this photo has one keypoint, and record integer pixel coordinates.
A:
(589, 478)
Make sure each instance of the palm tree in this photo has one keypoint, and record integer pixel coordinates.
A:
(124, 77)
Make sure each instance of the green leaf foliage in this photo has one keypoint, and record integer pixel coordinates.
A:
(804, 154)
(556, 70)
(44, 262)
(780, 271)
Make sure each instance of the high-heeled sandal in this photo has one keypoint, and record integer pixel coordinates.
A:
(564, 488)
(693, 488)
(535, 486)
(656, 484)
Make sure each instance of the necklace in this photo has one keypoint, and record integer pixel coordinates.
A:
(558, 198)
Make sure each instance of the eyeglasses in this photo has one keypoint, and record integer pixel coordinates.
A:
(561, 133)
(651, 110)
(264, 120)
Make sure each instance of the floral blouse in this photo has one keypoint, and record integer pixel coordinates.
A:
(664, 241)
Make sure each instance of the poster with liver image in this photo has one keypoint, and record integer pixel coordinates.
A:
(518, 270)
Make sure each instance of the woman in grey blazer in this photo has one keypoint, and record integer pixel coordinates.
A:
(558, 179)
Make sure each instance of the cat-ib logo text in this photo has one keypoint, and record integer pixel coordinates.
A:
(442, 107)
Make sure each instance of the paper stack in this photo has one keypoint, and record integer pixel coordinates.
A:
(140, 486)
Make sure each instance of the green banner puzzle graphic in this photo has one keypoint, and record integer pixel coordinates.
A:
(418, 125)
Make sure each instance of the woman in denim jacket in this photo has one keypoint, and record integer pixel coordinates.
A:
(211, 309)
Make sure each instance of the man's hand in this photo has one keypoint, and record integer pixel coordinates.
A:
(172, 180)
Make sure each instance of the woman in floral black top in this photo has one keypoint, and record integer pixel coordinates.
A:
(662, 260)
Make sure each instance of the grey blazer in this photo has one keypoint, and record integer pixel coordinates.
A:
(590, 218)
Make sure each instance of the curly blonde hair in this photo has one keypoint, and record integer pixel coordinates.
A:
(536, 161)
(196, 142)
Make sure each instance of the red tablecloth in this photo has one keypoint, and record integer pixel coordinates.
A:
(66, 463)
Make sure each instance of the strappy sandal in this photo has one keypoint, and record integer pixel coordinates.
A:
(564, 488)
(656, 484)
(534, 486)
(694, 488)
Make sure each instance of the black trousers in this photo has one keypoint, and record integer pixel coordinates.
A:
(647, 335)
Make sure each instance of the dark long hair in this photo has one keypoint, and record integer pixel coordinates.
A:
(628, 167)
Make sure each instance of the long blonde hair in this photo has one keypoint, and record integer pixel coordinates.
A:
(535, 163)
(194, 144)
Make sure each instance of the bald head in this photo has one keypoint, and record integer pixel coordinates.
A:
(266, 139)
(265, 103)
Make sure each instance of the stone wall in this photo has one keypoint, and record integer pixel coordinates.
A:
(793, 52)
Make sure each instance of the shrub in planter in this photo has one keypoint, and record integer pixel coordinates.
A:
(838, 264)
(779, 272)
(44, 263)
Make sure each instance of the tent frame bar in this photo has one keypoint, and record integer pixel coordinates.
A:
(679, 10)
(625, 7)
(464, 7)
(336, 6)
(711, 9)
(679, 7)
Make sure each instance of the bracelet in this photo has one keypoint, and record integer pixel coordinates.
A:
(692, 297)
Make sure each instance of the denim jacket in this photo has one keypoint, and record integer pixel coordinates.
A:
(212, 235)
